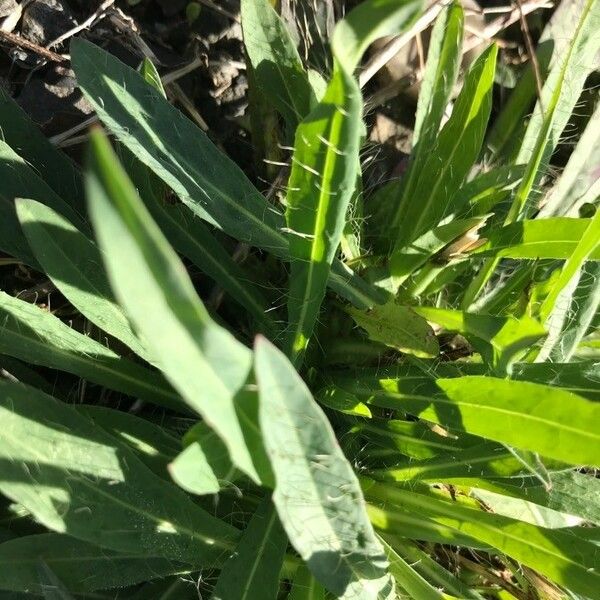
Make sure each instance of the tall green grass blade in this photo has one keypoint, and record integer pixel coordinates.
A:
(275, 61)
(81, 566)
(505, 338)
(54, 167)
(36, 336)
(541, 238)
(563, 557)
(317, 495)
(399, 327)
(451, 157)
(441, 71)
(203, 361)
(74, 478)
(207, 181)
(525, 415)
(74, 264)
(252, 573)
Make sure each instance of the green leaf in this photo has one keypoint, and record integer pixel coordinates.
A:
(408, 579)
(191, 471)
(81, 566)
(74, 478)
(558, 554)
(575, 309)
(523, 414)
(344, 402)
(253, 571)
(275, 61)
(306, 587)
(441, 71)
(431, 570)
(317, 495)
(588, 244)
(36, 336)
(151, 75)
(207, 181)
(450, 158)
(367, 22)
(323, 177)
(541, 238)
(203, 361)
(399, 327)
(579, 174)
(559, 96)
(485, 460)
(19, 180)
(154, 445)
(569, 492)
(504, 337)
(190, 237)
(27, 140)
(74, 264)
(408, 259)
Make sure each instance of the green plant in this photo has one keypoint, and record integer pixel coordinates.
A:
(483, 442)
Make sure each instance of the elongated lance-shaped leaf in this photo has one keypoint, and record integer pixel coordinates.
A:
(450, 158)
(317, 494)
(325, 165)
(408, 579)
(275, 61)
(153, 444)
(407, 260)
(27, 140)
(74, 264)
(203, 361)
(431, 570)
(74, 478)
(37, 336)
(81, 566)
(306, 587)
(193, 239)
(367, 22)
(541, 238)
(324, 170)
(485, 460)
(563, 557)
(504, 337)
(399, 327)
(578, 176)
(20, 180)
(253, 571)
(441, 71)
(178, 152)
(553, 422)
(589, 242)
(570, 492)
(559, 96)
(575, 309)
